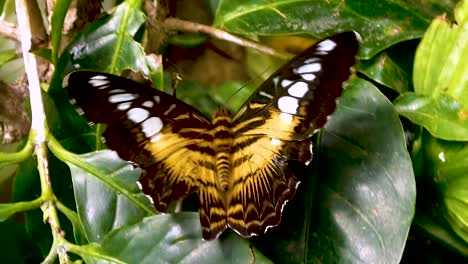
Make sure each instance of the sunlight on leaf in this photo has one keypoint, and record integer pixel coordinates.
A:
(106, 192)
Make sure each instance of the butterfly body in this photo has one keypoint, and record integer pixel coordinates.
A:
(239, 166)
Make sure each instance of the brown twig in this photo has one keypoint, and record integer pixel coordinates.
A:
(182, 25)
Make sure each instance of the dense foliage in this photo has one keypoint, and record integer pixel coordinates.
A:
(389, 179)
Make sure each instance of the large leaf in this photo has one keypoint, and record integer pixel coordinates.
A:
(173, 239)
(441, 64)
(364, 196)
(108, 44)
(366, 189)
(107, 196)
(380, 24)
(443, 116)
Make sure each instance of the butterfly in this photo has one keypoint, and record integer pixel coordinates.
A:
(240, 166)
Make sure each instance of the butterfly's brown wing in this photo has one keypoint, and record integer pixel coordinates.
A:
(163, 135)
(275, 126)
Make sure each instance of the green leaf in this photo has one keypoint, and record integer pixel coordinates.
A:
(360, 207)
(174, 239)
(16, 246)
(440, 62)
(106, 192)
(443, 116)
(440, 232)
(196, 95)
(9, 209)
(380, 25)
(57, 20)
(108, 44)
(450, 169)
(366, 188)
(385, 71)
(188, 40)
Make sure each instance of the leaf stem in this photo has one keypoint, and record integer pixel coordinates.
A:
(24, 153)
(172, 23)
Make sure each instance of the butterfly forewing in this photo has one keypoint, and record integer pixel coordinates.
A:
(303, 91)
(161, 134)
(274, 127)
(239, 167)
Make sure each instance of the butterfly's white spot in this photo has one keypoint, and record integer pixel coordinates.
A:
(308, 76)
(114, 91)
(124, 106)
(275, 142)
(285, 83)
(299, 89)
(150, 199)
(157, 99)
(72, 101)
(148, 104)
(117, 98)
(287, 118)
(139, 185)
(171, 107)
(99, 77)
(156, 137)
(267, 95)
(288, 104)
(310, 60)
(325, 46)
(79, 111)
(307, 162)
(152, 126)
(275, 80)
(308, 68)
(99, 81)
(65, 81)
(137, 114)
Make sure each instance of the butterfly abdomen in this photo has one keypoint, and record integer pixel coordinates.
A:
(223, 141)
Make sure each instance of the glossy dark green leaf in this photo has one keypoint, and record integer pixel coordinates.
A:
(360, 207)
(366, 188)
(385, 71)
(174, 239)
(16, 246)
(108, 44)
(106, 192)
(380, 24)
(443, 116)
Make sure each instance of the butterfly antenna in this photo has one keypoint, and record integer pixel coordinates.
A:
(252, 80)
(176, 75)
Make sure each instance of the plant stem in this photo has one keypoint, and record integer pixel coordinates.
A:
(39, 130)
